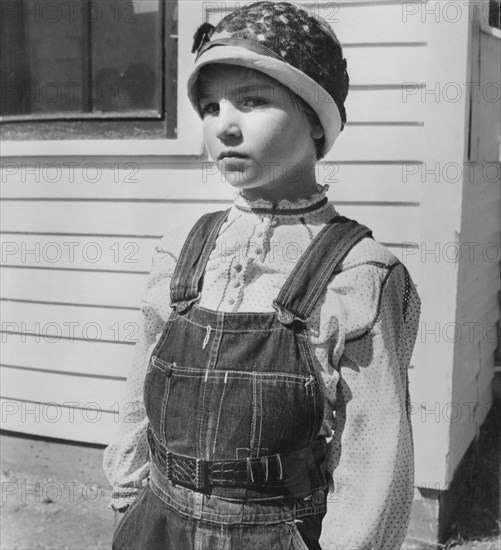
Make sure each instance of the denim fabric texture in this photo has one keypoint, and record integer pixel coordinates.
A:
(224, 386)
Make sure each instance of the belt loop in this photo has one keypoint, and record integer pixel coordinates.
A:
(249, 470)
(264, 461)
(281, 476)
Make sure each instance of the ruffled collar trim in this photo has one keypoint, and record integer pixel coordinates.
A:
(284, 207)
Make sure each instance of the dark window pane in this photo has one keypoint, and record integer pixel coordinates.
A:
(126, 58)
(41, 62)
(88, 59)
(495, 14)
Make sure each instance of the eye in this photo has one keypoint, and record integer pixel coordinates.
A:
(254, 101)
(209, 109)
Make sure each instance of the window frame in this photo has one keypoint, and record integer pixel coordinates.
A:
(189, 139)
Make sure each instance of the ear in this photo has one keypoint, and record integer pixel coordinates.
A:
(317, 132)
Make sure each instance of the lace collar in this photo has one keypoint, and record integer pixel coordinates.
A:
(284, 207)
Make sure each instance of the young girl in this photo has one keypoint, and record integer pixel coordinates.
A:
(269, 383)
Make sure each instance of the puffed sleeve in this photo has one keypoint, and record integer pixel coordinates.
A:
(371, 451)
(126, 460)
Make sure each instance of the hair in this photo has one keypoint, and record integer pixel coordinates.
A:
(301, 105)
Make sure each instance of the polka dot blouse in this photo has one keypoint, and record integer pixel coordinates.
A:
(362, 332)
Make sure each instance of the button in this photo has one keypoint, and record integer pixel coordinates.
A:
(231, 301)
(285, 317)
(238, 268)
(318, 497)
(259, 234)
(236, 284)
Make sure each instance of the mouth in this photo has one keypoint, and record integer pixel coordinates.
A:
(231, 155)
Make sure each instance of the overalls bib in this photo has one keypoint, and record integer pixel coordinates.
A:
(235, 406)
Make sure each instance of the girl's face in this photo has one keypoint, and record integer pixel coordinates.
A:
(255, 134)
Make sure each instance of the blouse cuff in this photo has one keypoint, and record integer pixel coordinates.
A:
(123, 496)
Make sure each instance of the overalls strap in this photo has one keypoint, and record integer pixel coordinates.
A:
(315, 268)
(186, 281)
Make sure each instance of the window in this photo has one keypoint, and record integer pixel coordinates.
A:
(94, 73)
(495, 14)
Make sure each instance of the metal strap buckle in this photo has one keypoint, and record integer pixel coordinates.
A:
(285, 316)
(184, 305)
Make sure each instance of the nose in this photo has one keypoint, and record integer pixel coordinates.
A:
(228, 123)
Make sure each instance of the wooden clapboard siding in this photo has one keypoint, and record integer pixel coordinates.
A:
(77, 252)
(374, 175)
(154, 219)
(73, 286)
(445, 123)
(176, 181)
(479, 278)
(82, 357)
(58, 421)
(39, 386)
(397, 103)
(56, 322)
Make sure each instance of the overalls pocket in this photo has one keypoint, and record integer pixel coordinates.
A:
(121, 521)
(231, 413)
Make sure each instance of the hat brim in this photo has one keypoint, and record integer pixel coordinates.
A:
(298, 82)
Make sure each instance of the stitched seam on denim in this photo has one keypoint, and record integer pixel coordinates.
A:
(203, 422)
(197, 273)
(242, 375)
(230, 330)
(286, 291)
(215, 344)
(285, 515)
(297, 538)
(165, 333)
(223, 395)
(260, 397)
(304, 261)
(129, 510)
(215, 219)
(372, 324)
(163, 434)
(254, 416)
(304, 354)
(320, 284)
(237, 314)
(218, 221)
(181, 267)
(311, 368)
(297, 508)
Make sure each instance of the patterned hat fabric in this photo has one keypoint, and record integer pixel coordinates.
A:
(287, 42)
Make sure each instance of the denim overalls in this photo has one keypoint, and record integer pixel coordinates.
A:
(235, 407)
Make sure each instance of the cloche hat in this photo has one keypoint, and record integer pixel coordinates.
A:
(288, 43)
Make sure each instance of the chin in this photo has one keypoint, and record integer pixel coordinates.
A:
(239, 181)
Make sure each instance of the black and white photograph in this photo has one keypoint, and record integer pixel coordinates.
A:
(250, 283)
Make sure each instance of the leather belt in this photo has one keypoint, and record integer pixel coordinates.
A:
(276, 470)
